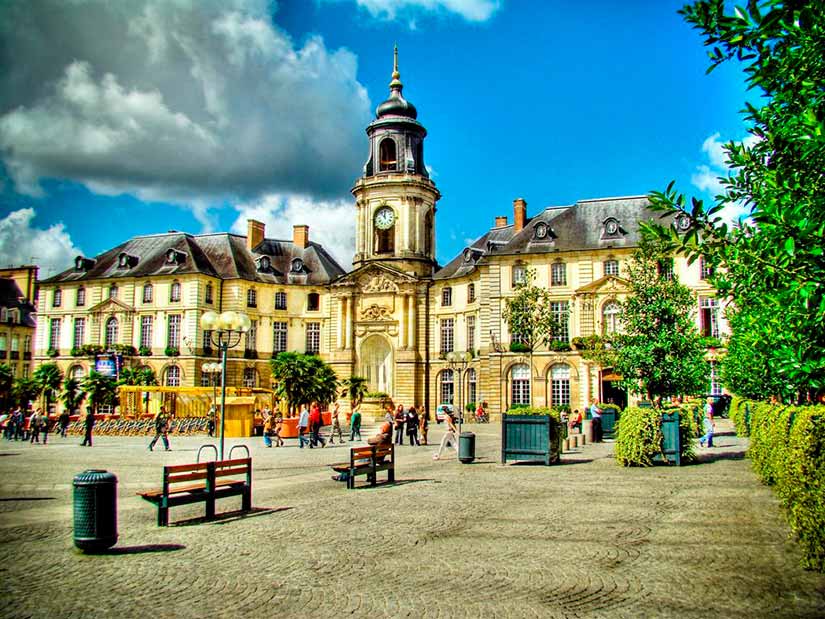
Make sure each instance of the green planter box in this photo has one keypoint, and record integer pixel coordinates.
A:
(530, 437)
(609, 418)
(672, 445)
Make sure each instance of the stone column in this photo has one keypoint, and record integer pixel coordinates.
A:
(402, 323)
(342, 310)
(348, 322)
(411, 322)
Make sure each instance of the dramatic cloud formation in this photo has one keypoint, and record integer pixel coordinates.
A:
(51, 249)
(331, 223)
(191, 101)
(471, 10)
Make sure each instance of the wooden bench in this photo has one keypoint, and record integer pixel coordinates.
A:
(210, 483)
(368, 461)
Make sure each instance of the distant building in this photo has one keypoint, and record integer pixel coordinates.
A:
(17, 318)
(394, 318)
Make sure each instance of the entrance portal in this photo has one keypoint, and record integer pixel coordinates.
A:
(376, 363)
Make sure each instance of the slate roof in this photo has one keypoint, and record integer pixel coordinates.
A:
(577, 227)
(11, 297)
(220, 255)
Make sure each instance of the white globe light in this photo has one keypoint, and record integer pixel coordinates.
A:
(226, 320)
(245, 322)
(208, 321)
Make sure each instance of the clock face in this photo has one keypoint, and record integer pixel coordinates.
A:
(541, 231)
(384, 218)
(612, 227)
(683, 221)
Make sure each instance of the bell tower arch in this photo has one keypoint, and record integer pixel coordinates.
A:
(395, 198)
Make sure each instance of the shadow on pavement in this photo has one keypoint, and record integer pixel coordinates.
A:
(28, 498)
(721, 455)
(227, 517)
(134, 550)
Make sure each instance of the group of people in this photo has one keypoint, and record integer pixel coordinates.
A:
(410, 422)
(32, 426)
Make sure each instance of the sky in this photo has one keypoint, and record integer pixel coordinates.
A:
(126, 118)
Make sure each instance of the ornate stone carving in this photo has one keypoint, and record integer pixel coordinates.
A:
(379, 283)
(376, 312)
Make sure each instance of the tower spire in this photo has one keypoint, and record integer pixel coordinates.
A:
(395, 84)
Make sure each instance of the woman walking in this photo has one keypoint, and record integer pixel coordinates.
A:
(336, 426)
(450, 436)
(412, 426)
(424, 424)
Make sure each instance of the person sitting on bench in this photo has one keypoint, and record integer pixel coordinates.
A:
(382, 437)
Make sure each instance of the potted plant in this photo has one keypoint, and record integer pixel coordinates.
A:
(171, 351)
(532, 434)
(145, 351)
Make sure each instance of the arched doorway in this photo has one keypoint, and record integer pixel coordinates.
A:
(376, 363)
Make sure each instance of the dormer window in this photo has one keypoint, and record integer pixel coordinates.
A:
(611, 228)
(468, 255)
(125, 261)
(264, 264)
(387, 155)
(173, 256)
(83, 264)
(297, 265)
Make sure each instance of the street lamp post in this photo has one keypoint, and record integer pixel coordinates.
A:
(459, 361)
(225, 331)
(213, 369)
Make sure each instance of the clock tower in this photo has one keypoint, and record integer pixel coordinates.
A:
(395, 198)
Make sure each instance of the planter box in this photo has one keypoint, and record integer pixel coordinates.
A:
(609, 418)
(530, 437)
(671, 446)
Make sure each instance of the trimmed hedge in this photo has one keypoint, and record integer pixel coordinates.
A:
(639, 435)
(521, 409)
(787, 450)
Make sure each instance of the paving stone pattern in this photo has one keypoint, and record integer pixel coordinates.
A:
(583, 539)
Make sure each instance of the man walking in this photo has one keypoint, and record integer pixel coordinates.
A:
(400, 418)
(34, 426)
(596, 416)
(88, 424)
(316, 422)
(355, 424)
(303, 424)
(708, 424)
(336, 426)
(161, 428)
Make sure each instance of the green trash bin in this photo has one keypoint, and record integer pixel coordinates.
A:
(466, 447)
(95, 510)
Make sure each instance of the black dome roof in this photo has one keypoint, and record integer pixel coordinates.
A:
(396, 104)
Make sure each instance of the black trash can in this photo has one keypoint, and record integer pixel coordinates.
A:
(466, 447)
(95, 510)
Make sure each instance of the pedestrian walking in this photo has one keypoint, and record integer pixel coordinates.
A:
(210, 422)
(34, 427)
(399, 419)
(412, 426)
(708, 424)
(19, 432)
(161, 429)
(355, 424)
(316, 422)
(424, 424)
(277, 428)
(268, 430)
(450, 436)
(596, 416)
(88, 424)
(336, 426)
(63, 423)
(44, 427)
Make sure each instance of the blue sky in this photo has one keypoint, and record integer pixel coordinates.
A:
(141, 117)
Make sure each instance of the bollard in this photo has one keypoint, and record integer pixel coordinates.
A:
(587, 430)
(583, 440)
(566, 444)
(95, 510)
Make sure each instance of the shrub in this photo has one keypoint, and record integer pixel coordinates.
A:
(52, 352)
(171, 351)
(524, 409)
(638, 436)
(519, 347)
(376, 395)
(557, 346)
(145, 351)
(737, 413)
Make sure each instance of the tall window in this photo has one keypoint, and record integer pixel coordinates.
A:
(111, 332)
(562, 317)
(113, 291)
(715, 384)
(447, 335)
(611, 267)
(172, 376)
(54, 334)
(3, 345)
(446, 387)
(251, 298)
(313, 338)
(27, 345)
(472, 386)
(471, 293)
(558, 274)
(207, 378)
(280, 300)
(665, 268)
(173, 331)
(146, 332)
(520, 379)
(15, 346)
(385, 240)
(252, 336)
(709, 316)
(207, 295)
(79, 332)
(147, 293)
(519, 274)
(279, 336)
(250, 377)
(387, 155)
(80, 300)
(471, 333)
(705, 268)
(313, 302)
(610, 317)
(174, 292)
(57, 299)
(560, 385)
(447, 297)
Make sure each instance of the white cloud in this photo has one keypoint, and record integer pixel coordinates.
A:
(471, 10)
(20, 243)
(193, 101)
(331, 223)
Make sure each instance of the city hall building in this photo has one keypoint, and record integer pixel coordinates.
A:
(420, 332)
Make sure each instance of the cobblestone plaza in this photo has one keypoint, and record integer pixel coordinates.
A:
(583, 539)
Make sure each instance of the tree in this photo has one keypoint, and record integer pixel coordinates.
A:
(773, 263)
(355, 388)
(99, 389)
(530, 317)
(659, 351)
(71, 396)
(48, 378)
(6, 382)
(24, 390)
(137, 376)
(301, 379)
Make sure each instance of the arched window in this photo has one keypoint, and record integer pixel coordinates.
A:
(77, 372)
(446, 387)
(174, 292)
(172, 378)
(611, 267)
(111, 332)
(387, 155)
(250, 377)
(207, 296)
(81, 297)
(428, 233)
(472, 386)
(57, 299)
(610, 317)
(560, 385)
(313, 302)
(113, 291)
(147, 293)
(520, 379)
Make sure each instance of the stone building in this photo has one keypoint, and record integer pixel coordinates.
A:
(396, 318)
(17, 318)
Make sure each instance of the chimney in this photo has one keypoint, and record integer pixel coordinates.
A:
(254, 233)
(501, 221)
(519, 214)
(300, 236)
